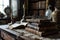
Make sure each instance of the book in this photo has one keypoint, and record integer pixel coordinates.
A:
(17, 25)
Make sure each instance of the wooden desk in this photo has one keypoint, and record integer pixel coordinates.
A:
(8, 34)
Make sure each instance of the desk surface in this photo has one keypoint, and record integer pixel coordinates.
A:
(43, 38)
(4, 27)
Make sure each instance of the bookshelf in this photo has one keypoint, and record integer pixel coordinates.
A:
(36, 8)
(58, 3)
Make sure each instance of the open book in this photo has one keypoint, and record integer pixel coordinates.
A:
(17, 25)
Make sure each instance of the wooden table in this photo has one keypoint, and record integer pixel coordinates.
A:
(8, 34)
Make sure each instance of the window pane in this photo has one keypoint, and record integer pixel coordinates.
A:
(6, 3)
(14, 7)
(3, 4)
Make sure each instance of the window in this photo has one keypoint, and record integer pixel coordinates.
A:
(14, 8)
(3, 4)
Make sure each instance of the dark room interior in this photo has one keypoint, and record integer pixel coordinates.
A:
(29, 19)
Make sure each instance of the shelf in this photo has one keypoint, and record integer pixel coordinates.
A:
(37, 9)
(34, 1)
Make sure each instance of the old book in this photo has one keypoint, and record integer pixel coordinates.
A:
(33, 26)
(35, 5)
(33, 20)
(17, 25)
(33, 31)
